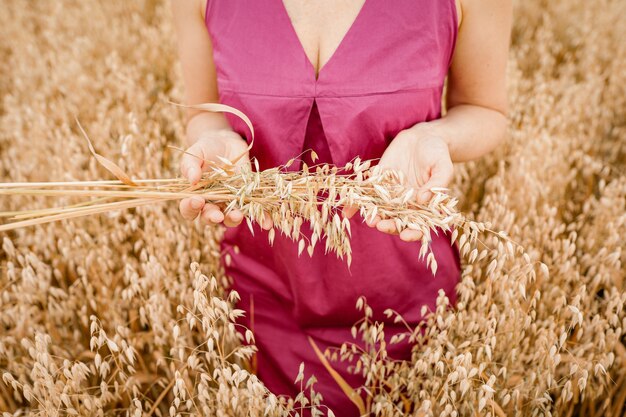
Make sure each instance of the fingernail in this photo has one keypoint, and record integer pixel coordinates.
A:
(216, 217)
(196, 203)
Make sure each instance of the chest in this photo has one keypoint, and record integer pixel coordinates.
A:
(321, 25)
(312, 48)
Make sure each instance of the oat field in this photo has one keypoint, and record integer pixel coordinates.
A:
(127, 313)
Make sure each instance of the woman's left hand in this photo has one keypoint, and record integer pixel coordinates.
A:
(424, 161)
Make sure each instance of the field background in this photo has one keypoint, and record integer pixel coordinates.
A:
(124, 313)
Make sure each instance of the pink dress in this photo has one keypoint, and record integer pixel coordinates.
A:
(386, 75)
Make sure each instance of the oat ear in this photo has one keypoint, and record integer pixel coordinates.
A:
(112, 167)
(345, 387)
(223, 108)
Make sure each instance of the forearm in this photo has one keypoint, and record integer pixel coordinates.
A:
(470, 131)
(205, 124)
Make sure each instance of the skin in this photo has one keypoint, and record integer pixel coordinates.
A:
(475, 123)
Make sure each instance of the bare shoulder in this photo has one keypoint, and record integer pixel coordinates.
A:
(195, 51)
(478, 70)
(464, 7)
(188, 8)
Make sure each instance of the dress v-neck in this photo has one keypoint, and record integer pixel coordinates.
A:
(343, 40)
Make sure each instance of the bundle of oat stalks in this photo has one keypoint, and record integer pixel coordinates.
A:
(315, 194)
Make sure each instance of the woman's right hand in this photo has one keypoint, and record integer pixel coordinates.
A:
(211, 133)
(208, 147)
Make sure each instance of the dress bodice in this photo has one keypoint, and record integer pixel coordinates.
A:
(386, 75)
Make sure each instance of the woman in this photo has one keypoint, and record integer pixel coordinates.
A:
(345, 78)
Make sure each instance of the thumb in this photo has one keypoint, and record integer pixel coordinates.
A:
(441, 175)
(192, 163)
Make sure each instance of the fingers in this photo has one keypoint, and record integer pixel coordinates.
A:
(409, 235)
(349, 211)
(267, 223)
(440, 177)
(211, 214)
(387, 226)
(190, 207)
(233, 218)
(192, 163)
(373, 222)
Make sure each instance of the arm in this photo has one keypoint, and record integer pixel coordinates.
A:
(196, 55)
(208, 135)
(476, 121)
